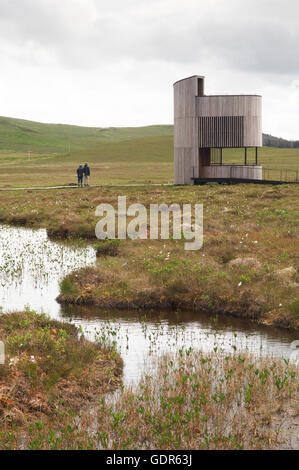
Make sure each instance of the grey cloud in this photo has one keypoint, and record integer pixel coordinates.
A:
(263, 42)
(264, 47)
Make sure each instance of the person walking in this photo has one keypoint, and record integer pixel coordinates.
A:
(86, 171)
(80, 175)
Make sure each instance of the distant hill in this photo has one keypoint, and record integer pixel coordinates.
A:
(271, 141)
(19, 135)
(23, 136)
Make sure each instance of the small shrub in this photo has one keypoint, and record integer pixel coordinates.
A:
(29, 369)
(4, 370)
(245, 279)
(84, 231)
(294, 307)
(227, 256)
(177, 287)
(108, 247)
(67, 287)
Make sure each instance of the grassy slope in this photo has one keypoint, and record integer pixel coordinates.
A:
(139, 160)
(19, 135)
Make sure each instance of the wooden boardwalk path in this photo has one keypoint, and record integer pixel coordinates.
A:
(40, 188)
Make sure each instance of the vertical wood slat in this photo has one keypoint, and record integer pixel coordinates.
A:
(224, 131)
(247, 106)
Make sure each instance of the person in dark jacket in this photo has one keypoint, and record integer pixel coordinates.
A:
(80, 173)
(86, 172)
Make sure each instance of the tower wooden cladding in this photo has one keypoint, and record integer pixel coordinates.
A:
(203, 123)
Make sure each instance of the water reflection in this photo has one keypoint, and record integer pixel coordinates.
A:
(142, 336)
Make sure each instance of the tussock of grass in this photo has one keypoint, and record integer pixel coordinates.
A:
(47, 364)
(107, 247)
(67, 287)
(294, 307)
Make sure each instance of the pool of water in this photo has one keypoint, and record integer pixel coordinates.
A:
(31, 267)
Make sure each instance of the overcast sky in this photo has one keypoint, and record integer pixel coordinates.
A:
(113, 62)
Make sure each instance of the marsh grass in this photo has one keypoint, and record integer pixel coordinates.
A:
(192, 401)
(201, 401)
(259, 223)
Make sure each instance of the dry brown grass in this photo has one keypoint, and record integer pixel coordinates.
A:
(48, 367)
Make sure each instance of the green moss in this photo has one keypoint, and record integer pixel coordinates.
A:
(108, 247)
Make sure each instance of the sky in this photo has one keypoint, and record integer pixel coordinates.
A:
(113, 63)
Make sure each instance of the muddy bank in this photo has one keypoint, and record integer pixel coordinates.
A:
(244, 308)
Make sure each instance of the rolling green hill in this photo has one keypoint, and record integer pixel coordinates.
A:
(18, 135)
